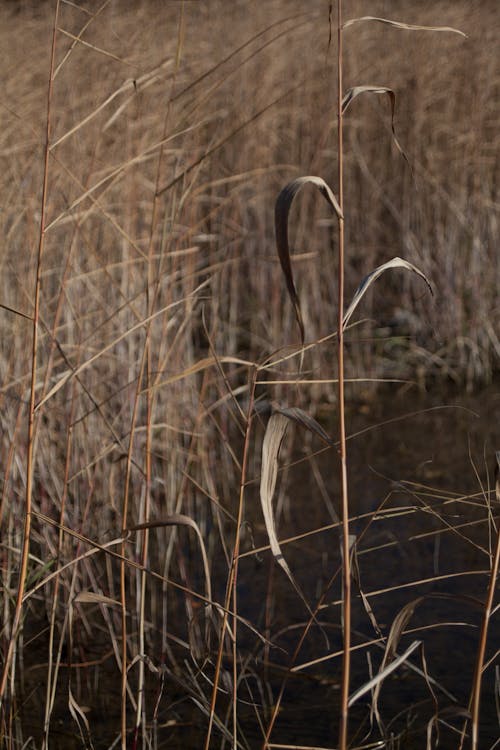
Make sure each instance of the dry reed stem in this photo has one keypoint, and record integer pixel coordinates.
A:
(53, 669)
(346, 547)
(31, 413)
(150, 303)
(488, 608)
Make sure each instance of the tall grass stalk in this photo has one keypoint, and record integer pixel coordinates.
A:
(153, 283)
(25, 551)
(475, 701)
(346, 560)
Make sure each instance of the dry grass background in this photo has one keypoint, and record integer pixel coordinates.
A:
(241, 98)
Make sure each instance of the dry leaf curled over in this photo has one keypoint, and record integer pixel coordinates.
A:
(281, 212)
(304, 420)
(356, 91)
(373, 276)
(179, 519)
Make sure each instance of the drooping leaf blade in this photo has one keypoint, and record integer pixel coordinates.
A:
(273, 438)
(373, 276)
(281, 213)
(356, 91)
(304, 420)
(179, 519)
(275, 432)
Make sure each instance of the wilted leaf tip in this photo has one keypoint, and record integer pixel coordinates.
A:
(281, 212)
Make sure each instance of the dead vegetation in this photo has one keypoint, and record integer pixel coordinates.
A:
(148, 339)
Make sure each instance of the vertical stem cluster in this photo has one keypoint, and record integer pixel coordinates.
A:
(232, 581)
(30, 454)
(346, 660)
(488, 608)
(145, 371)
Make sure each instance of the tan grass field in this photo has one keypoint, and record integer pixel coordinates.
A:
(159, 303)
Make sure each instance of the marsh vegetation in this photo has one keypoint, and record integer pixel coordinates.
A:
(175, 535)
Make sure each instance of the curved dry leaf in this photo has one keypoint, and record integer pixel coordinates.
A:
(179, 519)
(373, 276)
(275, 432)
(281, 211)
(356, 91)
(273, 438)
(78, 714)
(398, 625)
(304, 420)
(380, 676)
(400, 25)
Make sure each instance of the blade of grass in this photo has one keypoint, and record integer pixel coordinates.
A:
(400, 25)
(281, 212)
(374, 275)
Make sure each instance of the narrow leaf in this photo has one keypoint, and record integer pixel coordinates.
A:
(304, 420)
(78, 714)
(399, 624)
(275, 432)
(273, 438)
(400, 25)
(356, 91)
(373, 276)
(378, 679)
(281, 212)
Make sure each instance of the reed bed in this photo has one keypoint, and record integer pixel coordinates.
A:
(149, 345)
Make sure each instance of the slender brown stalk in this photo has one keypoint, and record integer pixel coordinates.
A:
(231, 583)
(150, 304)
(31, 414)
(346, 660)
(53, 669)
(476, 691)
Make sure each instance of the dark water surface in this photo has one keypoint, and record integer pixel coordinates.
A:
(427, 474)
